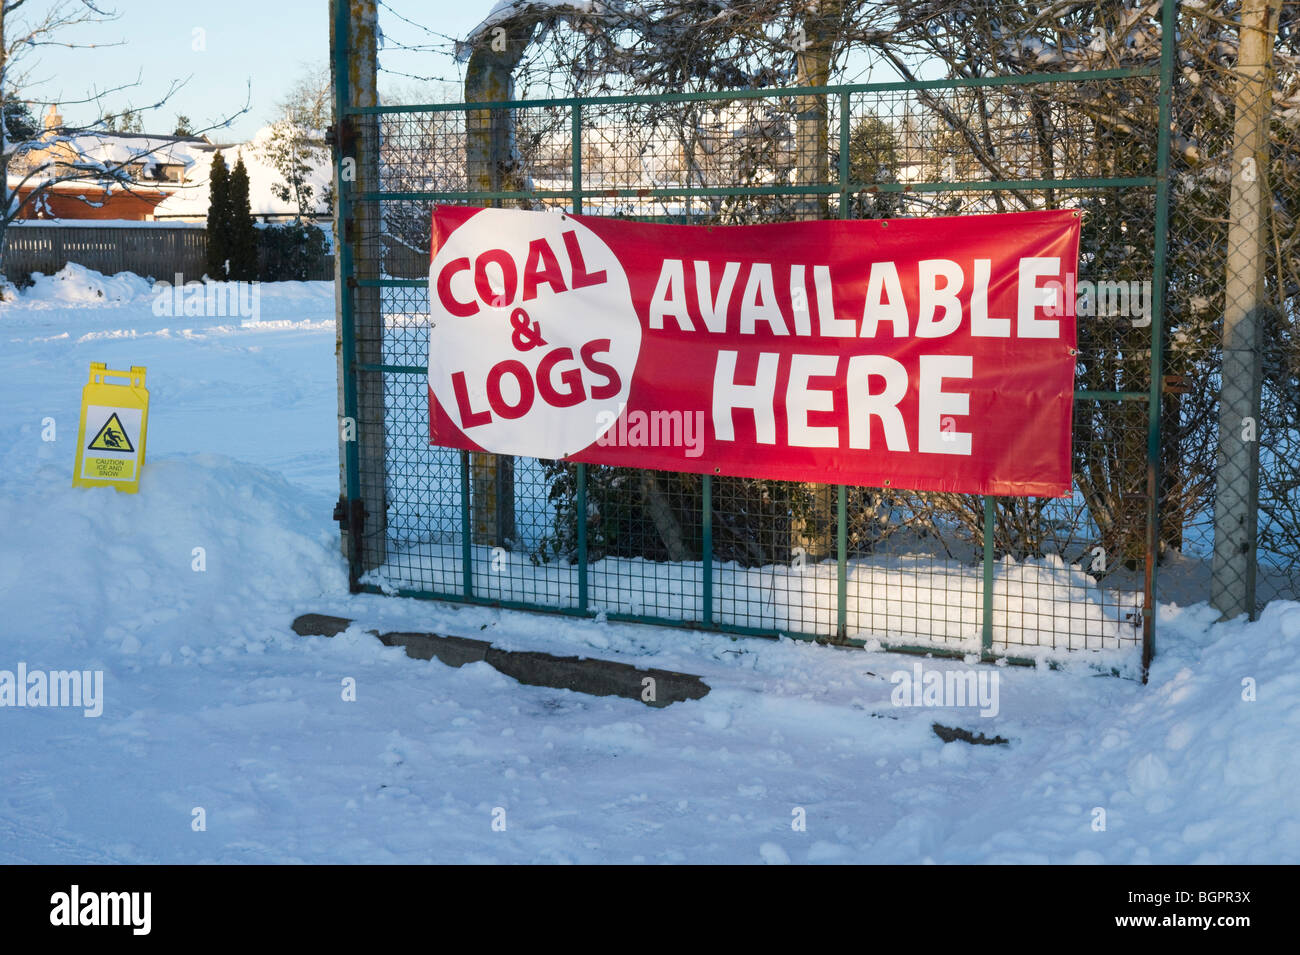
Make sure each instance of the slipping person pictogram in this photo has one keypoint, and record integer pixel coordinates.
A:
(111, 437)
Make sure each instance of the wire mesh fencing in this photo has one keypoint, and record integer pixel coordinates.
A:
(954, 574)
(1278, 542)
(1230, 461)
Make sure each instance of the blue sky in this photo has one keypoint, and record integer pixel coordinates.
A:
(265, 43)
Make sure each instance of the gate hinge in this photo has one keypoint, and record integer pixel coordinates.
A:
(350, 516)
(342, 135)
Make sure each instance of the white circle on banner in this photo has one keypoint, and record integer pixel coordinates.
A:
(533, 337)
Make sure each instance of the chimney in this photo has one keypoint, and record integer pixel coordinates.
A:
(53, 119)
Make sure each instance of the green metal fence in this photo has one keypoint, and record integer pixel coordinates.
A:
(946, 574)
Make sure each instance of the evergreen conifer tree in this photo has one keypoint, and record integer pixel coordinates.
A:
(219, 238)
(243, 235)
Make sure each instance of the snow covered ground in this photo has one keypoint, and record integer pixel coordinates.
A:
(211, 702)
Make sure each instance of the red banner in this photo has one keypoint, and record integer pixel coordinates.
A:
(928, 354)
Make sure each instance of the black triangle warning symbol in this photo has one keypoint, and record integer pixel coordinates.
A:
(111, 437)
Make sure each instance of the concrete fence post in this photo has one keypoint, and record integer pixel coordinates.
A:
(1232, 590)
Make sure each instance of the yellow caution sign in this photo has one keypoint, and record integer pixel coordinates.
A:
(110, 441)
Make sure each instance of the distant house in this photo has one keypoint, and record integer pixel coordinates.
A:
(168, 175)
(151, 162)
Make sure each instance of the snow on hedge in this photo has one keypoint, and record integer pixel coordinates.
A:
(76, 285)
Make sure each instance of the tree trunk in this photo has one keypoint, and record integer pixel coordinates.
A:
(491, 166)
(1236, 502)
(815, 531)
(661, 514)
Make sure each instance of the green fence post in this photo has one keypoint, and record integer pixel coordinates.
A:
(1168, 31)
(359, 308)
(466, 552)
(842, 515)
(986, 630)
(707, 562)
(844, 155)
(842, 563)
(346, 335)
(576, 154)
(582, 538)
(575, 147)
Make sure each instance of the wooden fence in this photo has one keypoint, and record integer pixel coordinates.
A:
(160, 251)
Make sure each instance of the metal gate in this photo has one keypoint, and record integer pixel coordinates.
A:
(946, 574)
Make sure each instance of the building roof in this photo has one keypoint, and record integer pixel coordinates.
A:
(194, 154)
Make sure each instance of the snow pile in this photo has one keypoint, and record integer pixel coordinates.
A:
(205, 539)
(210, 702)
(183, 594)
(77, 285)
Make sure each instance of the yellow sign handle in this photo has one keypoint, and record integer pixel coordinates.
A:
(99, 371)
